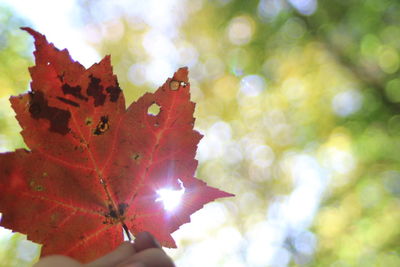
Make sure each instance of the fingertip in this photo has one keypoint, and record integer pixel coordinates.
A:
(57, 260)
(127, 245)
(125, 249)
(120, 254)
(152, 257)
(133, 264)
(145, 240)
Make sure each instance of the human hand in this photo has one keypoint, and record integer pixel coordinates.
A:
(144, 252)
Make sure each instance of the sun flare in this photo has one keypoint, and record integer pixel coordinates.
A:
(171, 198)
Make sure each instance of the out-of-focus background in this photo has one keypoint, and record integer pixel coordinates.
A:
(299, 102)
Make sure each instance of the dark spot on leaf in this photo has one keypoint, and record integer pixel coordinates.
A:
(74, 91)
(88, 121)
(121, 208)
(39, 188)
(61, 77)
(35, 109)
(114, 92)
(95, 90)
(34, 186)
(136, 156)
(68, 102)
(112, 212)
(39, 109)
(102, 126)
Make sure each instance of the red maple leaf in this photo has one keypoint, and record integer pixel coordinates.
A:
(95, 167)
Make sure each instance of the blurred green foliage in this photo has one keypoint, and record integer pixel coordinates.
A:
(14, 61)
(291, 96)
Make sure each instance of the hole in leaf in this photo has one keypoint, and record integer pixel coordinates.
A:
(153, 110)
(174, 85)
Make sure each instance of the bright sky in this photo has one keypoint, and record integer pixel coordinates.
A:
(55, 20)
(58, 21)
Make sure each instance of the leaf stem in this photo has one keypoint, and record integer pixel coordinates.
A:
(127, 232)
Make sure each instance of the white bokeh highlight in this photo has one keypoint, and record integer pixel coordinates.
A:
(171, 198)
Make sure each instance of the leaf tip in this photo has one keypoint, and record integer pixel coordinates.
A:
(40, 39)
(32, 32)
(181, 75)
(223, 194)
(107, 58)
